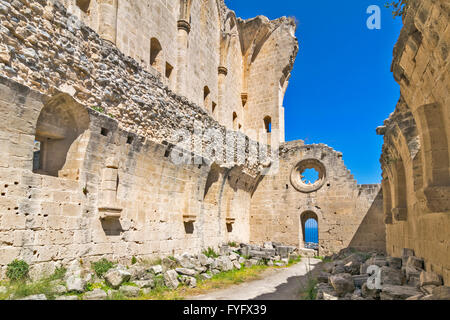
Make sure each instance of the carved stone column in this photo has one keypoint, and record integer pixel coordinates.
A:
(183, 37)
(108, 19)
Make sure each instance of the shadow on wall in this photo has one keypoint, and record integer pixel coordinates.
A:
(371, 234)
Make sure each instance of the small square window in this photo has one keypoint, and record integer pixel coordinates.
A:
(104, 132)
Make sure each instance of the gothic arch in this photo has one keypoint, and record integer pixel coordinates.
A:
(60, 135)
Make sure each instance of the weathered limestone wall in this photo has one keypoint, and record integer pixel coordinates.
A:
(118, 195)
(207, 46)
(347, 214)
(416, 153)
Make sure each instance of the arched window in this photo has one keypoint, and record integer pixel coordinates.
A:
(156, 59)
(310, 229)
(84, 5)
(206, 97)
(58, 139)
(268, 124)
(213, 109)
(235, 121)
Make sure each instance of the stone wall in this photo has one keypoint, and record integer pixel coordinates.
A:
(347, 214)
(79, 183)
(415, 159)
(118, 195)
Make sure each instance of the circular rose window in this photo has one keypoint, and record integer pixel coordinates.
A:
(308, 175)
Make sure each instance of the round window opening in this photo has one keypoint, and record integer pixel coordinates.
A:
(308, 176)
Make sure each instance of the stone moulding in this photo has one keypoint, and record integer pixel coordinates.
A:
(189, 218)
(231, 220)
(223, 70)
(109, 213)
(184, 25)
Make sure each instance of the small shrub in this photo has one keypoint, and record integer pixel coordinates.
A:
(310, 292)
(98, 109)
(17, 270)
(210, 253)
(58, 274)
(133, 260)
(101, 267)
(232, 244)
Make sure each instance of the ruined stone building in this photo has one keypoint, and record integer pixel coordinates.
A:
(416, 153)
(93, 98)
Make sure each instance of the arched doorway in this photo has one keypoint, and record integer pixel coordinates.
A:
(309, 237)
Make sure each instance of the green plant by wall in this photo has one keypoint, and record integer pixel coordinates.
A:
(210, 253)
(102, 266)
(133, 260)
(98, 109)
(17, 270)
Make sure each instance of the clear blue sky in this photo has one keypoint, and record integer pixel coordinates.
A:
(341, 87)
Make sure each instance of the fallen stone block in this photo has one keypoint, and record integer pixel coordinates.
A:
(171, 279)
(97, 294)
(391, 276)
(35, 297)
(158, 269)
(391, 292)
(145, 284)
(115, 277)
(359, 280)
(75, 284)
(186, 271)
(323, 277)
(129, 291)
(67, 298)
(395, 263)
(415, 262)
(342, 283)
(370, 293)
(428, 278)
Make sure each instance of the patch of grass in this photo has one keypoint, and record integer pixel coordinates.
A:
(324, 259)
(102, 266)
(151, 262)
(98, 109)
(232, 244)
(17, 270)
(98, 285)
(21, 289)
(58, 274)
(133, 260)
(294, 261)
(219, 281)
(309, 292)
(130, 284)
(210, 253)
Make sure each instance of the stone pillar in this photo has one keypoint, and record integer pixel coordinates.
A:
(183, 36)
(108, 208)
(107, 11)
(223, 71)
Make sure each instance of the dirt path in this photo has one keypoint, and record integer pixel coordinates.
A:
(275, 284)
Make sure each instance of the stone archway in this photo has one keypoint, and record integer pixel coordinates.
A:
(306, 215)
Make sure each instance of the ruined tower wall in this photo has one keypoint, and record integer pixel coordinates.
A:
(207, 47)
(348, 215)
(415, 159)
